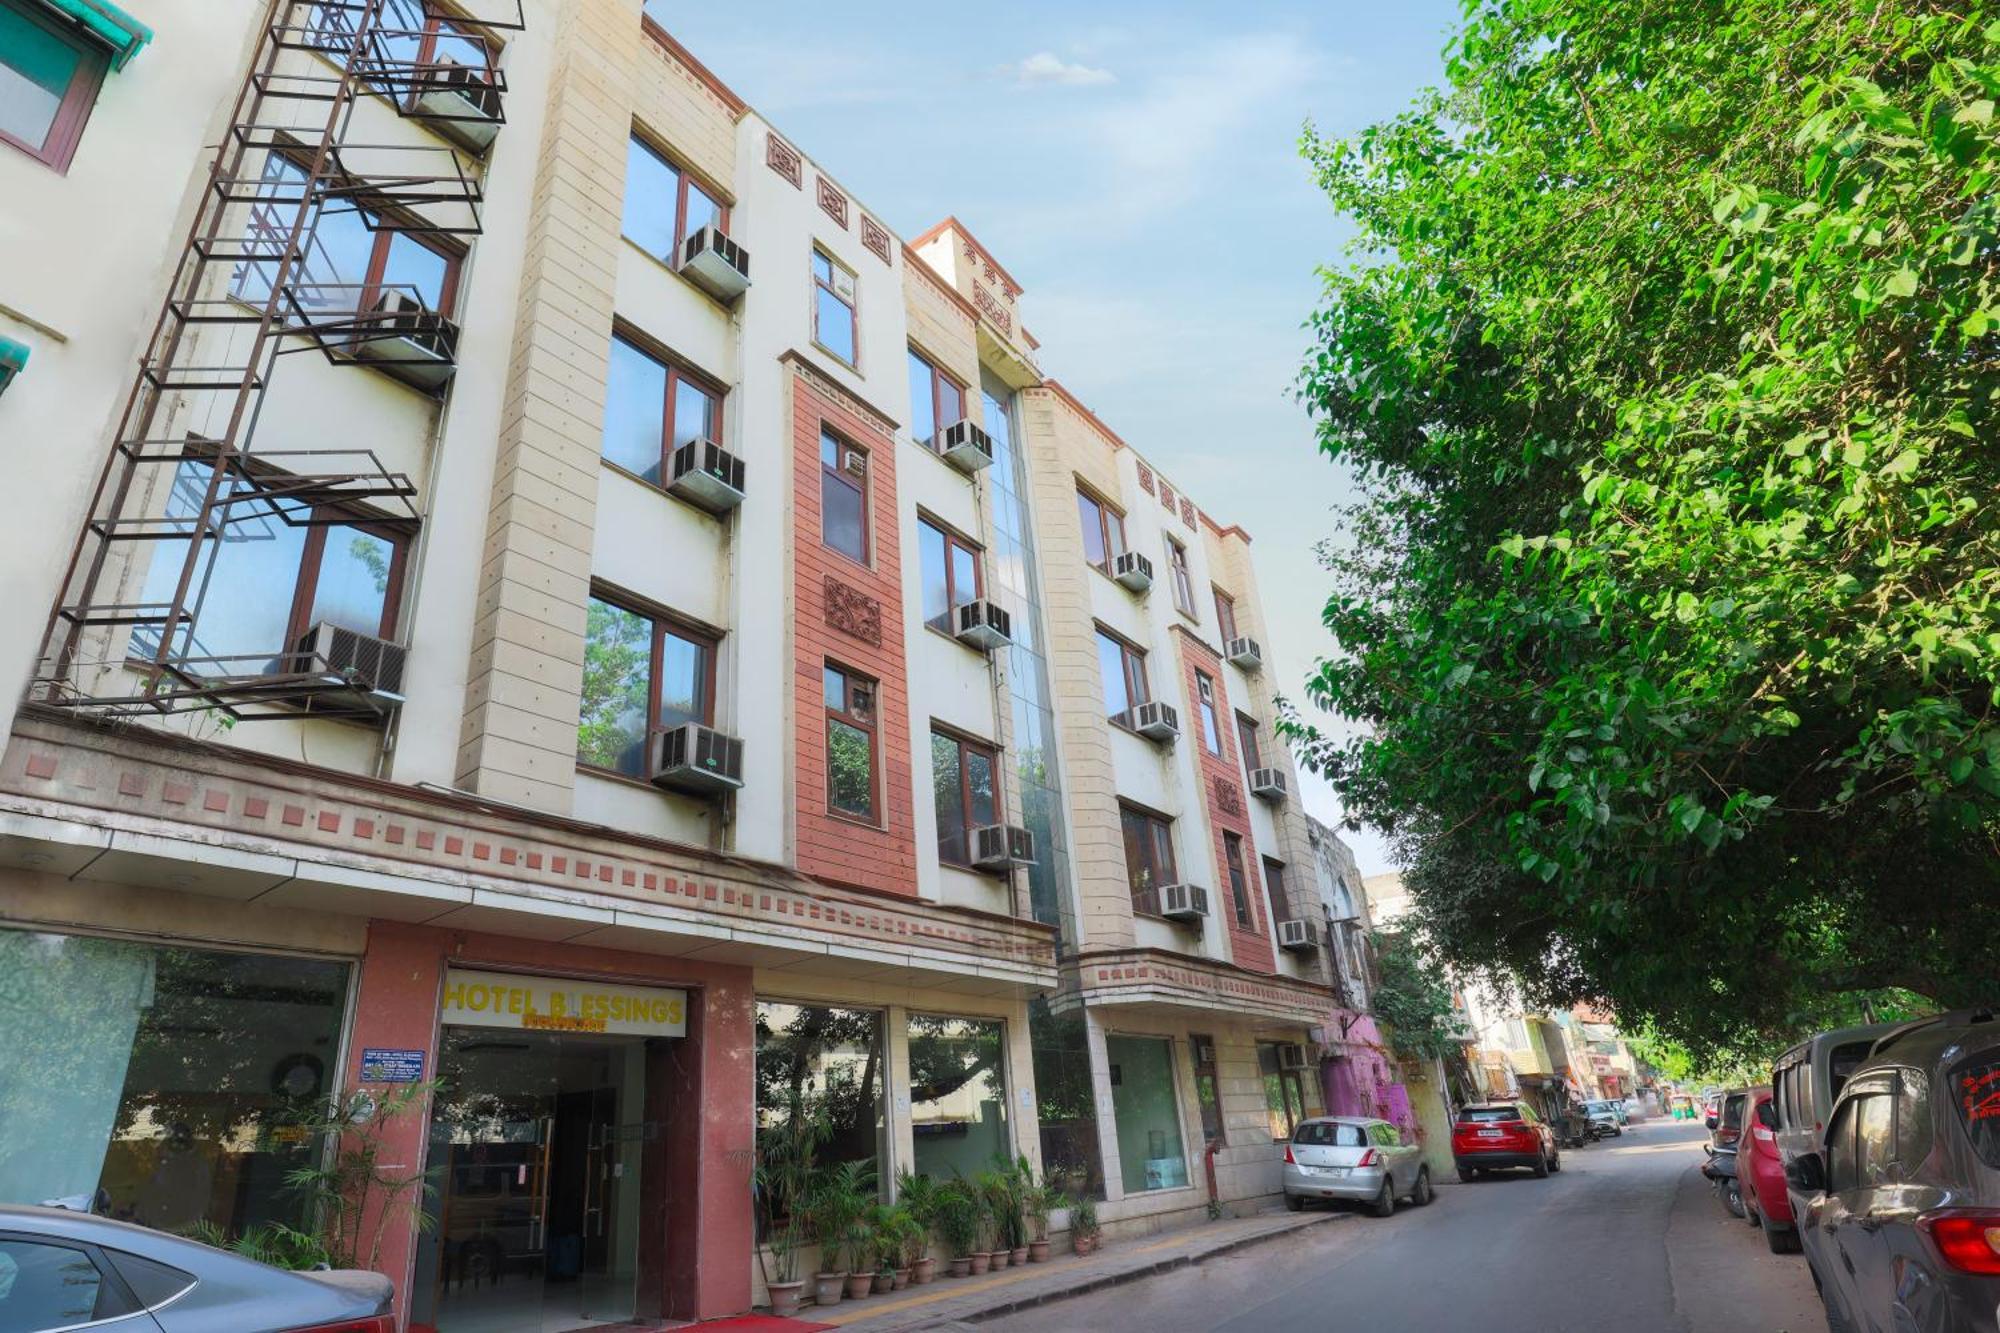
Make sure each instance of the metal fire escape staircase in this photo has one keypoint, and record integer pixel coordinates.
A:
(246, 290)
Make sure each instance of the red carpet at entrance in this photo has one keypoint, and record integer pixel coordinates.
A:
(763, 1323)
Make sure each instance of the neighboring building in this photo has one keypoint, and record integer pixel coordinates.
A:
(574, 607)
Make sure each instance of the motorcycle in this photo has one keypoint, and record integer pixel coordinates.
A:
(1720, 1169)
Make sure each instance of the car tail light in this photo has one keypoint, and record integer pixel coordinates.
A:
(1289, 1159)
(1762, 1135)
(1370, 1158)
(375, 1323)
(1969, 1240)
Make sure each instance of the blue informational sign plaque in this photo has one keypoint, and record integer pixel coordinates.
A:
(386, 1064)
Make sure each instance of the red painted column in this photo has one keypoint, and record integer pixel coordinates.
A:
(711, 1139)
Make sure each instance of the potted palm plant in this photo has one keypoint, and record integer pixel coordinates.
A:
(1038, 1200)
(919, 1195)
(840, 1198)
(958, 1224)
(885, 1245)
(782, 1181)
(1020, 1178)
(860, 1256)
(1083, 1228)
(997, 1200)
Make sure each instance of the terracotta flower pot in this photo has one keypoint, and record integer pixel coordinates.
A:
(785, 1298)
(922, 1271)
(827, 1288)
(1038, 1251)
(859, 1285)
(999, 1260)
(885, 1281)
(1017, 1256)
(900, 1279)
(960, 1267)
(981, 1261)
(1083, 1244)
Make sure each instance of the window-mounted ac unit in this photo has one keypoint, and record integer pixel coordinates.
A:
(1291, 1055)
(697, 759)
(854, 461)
(982, 624)
(1298, 936)
(459, 104)
(1268, 784)
(1243, 651)
(1184, 902)
(966, 446)
(373, 666)
(1204, 1051)
(401, 336)
(1132, 570)
(1155, 721)
(705, 474)
(1002, 847)
(716, 264)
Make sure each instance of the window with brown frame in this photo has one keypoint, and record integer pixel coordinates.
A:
(1183, 582)
(835, 328)
(1274, 890)
(1211, 726)
(950, 572)
(1103, 530)
(652, 407)
(1225, 616)
(409, 33)
(850, 744)
(642, 673)
(663, 203)
(965, 779)
(1246, 736)
(1206, 1086)
(49, 78)
(1124, 671)
(1239, 878)
(936, 400)
(1149, 856)
(843, 496)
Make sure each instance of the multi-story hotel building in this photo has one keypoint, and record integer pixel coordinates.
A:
(528, 585)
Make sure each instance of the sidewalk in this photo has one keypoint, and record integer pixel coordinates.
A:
(964, 1300)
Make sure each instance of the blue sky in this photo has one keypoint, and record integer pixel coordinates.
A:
(1135, 167)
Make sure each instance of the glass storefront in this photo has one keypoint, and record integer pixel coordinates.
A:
(160, 1084)
(1284, 1092)
(824, 1057)
(1066, 1099)
(958, 1095)
(1147, 1112)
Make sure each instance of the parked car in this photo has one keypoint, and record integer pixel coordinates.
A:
(1903, 1228)
(1804, 1082)
(1495, 1135)
(1725, 1132)
(61, 1269)
(1635, 1111)
(1604, 1115)
(1761, 1176)
(1354, 1160)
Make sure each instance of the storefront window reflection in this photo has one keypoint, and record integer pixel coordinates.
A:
(1066, 1099)
(958, 1096)
(1149, 1122)
(157, 1084)
(822, 1057)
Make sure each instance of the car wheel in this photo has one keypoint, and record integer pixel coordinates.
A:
(1732, 1196)
(1385, 1202)
(1466, 1175)
(1422, 1195)
(1556, 1162)
(1541, 1167)
(1295, 1202)
(1782, 1240)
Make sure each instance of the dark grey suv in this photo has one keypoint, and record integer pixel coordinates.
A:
(1903, 1225)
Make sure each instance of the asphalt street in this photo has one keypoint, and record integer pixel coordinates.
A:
(1627, 1238)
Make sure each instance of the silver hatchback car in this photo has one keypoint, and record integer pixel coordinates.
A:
(1354, 1160)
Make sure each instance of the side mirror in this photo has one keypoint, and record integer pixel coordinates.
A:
(1806, 1173)
(1767, 1115)
(1710, 1121)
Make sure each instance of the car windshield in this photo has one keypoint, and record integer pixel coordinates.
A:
(1487, 1115)
(1327, 1134)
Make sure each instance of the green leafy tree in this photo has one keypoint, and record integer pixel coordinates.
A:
(617, 661)
(1412, 999)
(1668, 369)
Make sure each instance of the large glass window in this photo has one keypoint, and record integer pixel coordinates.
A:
(48, 81)
(818, 1058)
(1149, 856)
(850, 744)
(1103, 530)
(962, 772)
(1239, 880)
(936, 400)
(1211, 726)
(1206, 1085)
(663, 205)
(1066, 1100)
(157, 1084)
(640, 675)
(843, 497)
(950, 570)
(1284, 1092)
(1274, 889)
(651, 408)
(833, 307)
(958, 1095)
(1225, 616)
(1246, 736)
(1124, 671)
(1177, 561)
(1150, 1156)
(351, 259)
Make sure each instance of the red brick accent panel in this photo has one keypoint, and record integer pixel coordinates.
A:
(1222, 793)
(830, 847)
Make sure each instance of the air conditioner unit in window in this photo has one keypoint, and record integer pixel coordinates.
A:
(854, 461)
(981, 624)
(1298, 936)
(371, 665)
(1183, 902)
(1204, 1051)
(1243, 651)
(459, 104)
(706, 474)
(1268, 784)
(1291, 1055)
(697, 759)
(1002, 847)
(401, 336)
(716, 264)
(1155, 721)
(965, 446)
(1132, 570)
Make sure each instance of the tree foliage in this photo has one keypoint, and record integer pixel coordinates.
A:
(1412, 1000)
(1669, 368)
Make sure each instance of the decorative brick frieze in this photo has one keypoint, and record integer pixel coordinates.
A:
(982, 297)
(1187, 511)
(1145, 976)
(875, 238)
(831, 201)
(1145, 479)
(784, 159)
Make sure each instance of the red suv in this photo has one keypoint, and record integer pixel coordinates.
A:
(1500, 1134)
(1760, 1175)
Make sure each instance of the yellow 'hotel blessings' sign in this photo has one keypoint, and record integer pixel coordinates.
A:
(562, 1004)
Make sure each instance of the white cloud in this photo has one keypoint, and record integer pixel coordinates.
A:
(1048, 67)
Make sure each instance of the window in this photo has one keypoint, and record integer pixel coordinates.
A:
(1146, 1112)
(640, 675)
(1913, 1120)
(1274, 890)
(279, 571)
(1205, 1086)
(818, 1059)
(1239, 885)
(951, 577)
(850, 743)
(1211, 728)
(1103, 530)
(1974, 1088)
(48, 81)
(833, 307)
(663, 205)
(1183, 582)
(354, 257)
(1874, 1137)
(46, 1286)
(1840, 1163)
(1246, 736)
(651, 408)
(936, 400)
(410, 32)
(1149, 857)
(1284, 1093)
(1225, 616)
(1065, 1099)
(843, 496)
(1124, 669)
(963, 777)
(1330, 1134)
(958, 1095)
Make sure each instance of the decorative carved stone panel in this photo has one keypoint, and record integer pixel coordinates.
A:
(875, 237)
(1145, 479)
(993, 310)
(1187, 511)
(831, 199)
(853, 612)
(784, 159)
(1167, 497)
(1226, 798)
